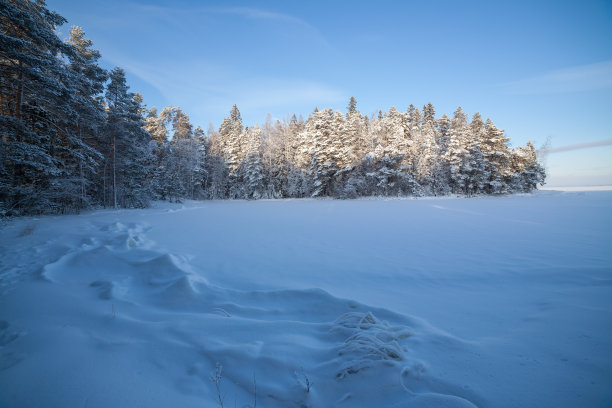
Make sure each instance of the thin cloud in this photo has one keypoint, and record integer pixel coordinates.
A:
(575, 79)
(259, 14)
(211, 90)
(578, 146)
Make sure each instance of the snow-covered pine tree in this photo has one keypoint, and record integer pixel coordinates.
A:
(185, 151)
(36, 108)
(181, 153)
(130, 158)
(200, 171)
(216, 167)
(155, 126)
(89, 112)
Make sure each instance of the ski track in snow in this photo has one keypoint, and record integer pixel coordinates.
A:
(124, 314)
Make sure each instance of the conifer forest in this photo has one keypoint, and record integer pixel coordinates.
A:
(74, 136)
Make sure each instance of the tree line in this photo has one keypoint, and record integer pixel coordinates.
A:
(73, 136)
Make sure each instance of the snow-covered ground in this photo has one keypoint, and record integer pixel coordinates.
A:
(488, 302)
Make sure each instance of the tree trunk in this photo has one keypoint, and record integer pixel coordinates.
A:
(82, 176)
(114, 174)
(19, 96)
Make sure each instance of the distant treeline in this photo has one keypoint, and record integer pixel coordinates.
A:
(72, 136)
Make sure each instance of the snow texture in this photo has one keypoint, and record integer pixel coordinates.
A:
(486, 302)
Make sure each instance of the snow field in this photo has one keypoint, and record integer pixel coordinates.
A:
(497, 302)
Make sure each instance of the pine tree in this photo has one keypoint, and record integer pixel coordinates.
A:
(216, 168)
(37, 111)
(200, 171)
(89, 110)
(129, 153)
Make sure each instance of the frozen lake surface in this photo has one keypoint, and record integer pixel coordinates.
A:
(435, 302)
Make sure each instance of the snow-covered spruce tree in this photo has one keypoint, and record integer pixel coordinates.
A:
(457, 152)
(425, 151)
(395, 140)
(393, 157)
(130, 159)
(433, 174)
(443, 133)
(251, 171)
(475, 168)
(355, 138)
(494, 146)
(362, 180)
(356, 133)
(230, 137)
(317, 140)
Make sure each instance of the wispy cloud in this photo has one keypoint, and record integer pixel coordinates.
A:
(578, 146)
(574, 79)
(259, 14)
(213, 89)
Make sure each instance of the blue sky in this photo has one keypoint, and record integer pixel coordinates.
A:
(539, 69)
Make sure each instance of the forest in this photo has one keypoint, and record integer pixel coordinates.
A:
(73, 136)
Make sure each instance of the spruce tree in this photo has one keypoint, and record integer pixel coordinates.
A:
(352, 106)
